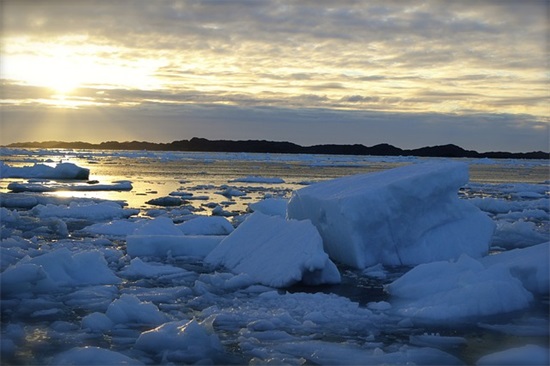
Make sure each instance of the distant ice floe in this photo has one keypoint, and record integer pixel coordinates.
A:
(258, 179)
(403, 216)
(60, 171)
(77, 187)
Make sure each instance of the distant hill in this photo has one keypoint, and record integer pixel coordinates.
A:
(283, 147)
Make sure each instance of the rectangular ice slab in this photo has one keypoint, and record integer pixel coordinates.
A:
(407, 215)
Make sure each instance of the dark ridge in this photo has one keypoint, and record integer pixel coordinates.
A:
(284, 147)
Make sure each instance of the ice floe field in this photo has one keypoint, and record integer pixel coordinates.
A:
(136, 257)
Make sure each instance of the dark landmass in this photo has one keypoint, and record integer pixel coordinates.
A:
(282, 147)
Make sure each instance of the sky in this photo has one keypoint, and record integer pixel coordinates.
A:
(409, 73)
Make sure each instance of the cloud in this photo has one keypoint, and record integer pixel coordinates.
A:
(446, 61)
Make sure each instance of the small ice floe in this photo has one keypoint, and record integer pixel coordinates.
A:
(206, 225)
(140, 269)
(166, 201)
(451, 292)
(526, 355)
(93, 356)
(84, 210)
(529, 265)
(184, 341)
(122, 185)
(270, 206)
(258, 179)
(407, 215)
(60, 171)
(276, 252)
(161, 237)
(518, 234)
(57, 269)
(230, 192)
(128, 309)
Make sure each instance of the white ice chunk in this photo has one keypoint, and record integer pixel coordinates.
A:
(270, 206)
(451, 292)
(93, 356)
(55, 187)
(60, 171)
(97, 322)
(526, 355)
(58, 268)
(160, 237)
(182, 342)
(138, 268)
(276, 252)
(175, 245)
(158, 226)
(114, 228)
(85, 210)
(518, 234)
(529, 265)
(129, 309)
(408, 215)
(206, 225)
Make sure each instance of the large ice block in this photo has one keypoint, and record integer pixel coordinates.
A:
(407, 215)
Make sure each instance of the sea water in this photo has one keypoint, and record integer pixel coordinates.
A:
(157, 174)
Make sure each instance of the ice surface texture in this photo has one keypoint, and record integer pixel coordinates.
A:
(276, 252)
(408, 215)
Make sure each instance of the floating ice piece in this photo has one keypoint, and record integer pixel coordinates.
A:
(138, 268)
(97, 322)
(270, 206)
(93, 356)
(206, 225)
(60, 171)
(113, 228)
(55, 269)
(166, 201)
(182, 341)
(258, 179)
(449, 292)
(408, 215)
(54, 187)
(129, 309)
(518, 234)
(171, 245)
(529, 265)
(276, 252)
(230, 192)
(85, 210)
(160, 237)
(526, 355)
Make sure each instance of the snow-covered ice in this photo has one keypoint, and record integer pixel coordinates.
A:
(77, 187)
(59, 171)
(447, 292)
(403, 216)
(276, 252)
(270, 206)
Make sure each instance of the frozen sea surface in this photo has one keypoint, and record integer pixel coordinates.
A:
(75, 292)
